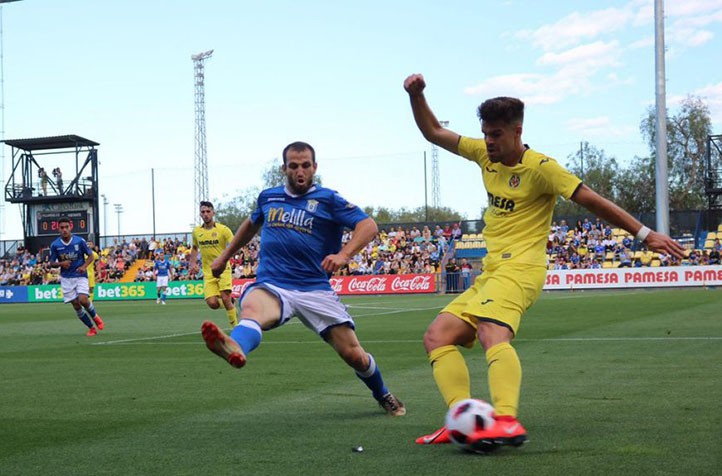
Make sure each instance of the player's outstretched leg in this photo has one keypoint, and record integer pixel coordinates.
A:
(223, 346)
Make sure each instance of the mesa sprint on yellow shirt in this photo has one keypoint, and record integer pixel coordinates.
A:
(211, 244)
(521, 202)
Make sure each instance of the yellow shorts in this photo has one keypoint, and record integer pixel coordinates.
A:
(214, 286)
(500, 294)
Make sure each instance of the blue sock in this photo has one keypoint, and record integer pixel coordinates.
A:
(91, 310)
(162, 297)
(373, 379)
(83, 316)
(248, 335)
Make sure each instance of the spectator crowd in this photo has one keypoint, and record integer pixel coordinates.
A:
(398, 250)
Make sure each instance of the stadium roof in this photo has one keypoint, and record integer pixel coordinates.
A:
(54, 142)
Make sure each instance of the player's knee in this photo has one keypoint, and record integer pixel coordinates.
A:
(355, 357)
(433, 339)
(213, 303)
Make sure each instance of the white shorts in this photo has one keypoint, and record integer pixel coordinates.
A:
(72, 287)
(161, 281)
(317, 310)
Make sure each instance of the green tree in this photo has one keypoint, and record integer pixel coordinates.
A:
(231, 211)
(687, 133)
(597, 170)
(383, 215)
(635, 186)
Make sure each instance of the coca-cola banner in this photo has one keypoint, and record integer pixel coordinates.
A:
(634, 277)
(373, 284)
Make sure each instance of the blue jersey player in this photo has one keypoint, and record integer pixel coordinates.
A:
(301, 227)
(72, 254)
(162, 275)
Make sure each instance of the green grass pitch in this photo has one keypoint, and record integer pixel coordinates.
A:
(615, 382)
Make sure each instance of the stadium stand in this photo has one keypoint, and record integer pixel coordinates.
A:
(395, 250)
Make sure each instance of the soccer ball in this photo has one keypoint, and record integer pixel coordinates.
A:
(467, 417)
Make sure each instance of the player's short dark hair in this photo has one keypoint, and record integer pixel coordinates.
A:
(299, 146)
(502, 109)
(205, 203)
(63, 220)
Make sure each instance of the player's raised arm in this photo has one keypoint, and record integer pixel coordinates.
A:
(425, 119)
(614, 214)
(243, 235)
(363, 233)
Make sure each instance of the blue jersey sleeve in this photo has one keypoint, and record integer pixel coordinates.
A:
(346, 213)
(257, 215)
(85, 249)
(53, 252)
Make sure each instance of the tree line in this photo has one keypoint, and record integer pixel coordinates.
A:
(630, 185)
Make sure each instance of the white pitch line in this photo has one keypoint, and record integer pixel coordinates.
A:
(168, 336)
(144, 341)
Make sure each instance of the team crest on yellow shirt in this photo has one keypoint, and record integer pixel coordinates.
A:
(514, 181)
(312, 205)
(214, 234)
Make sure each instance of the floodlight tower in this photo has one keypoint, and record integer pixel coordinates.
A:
(201, 158)
(2, 115)
(435, 184)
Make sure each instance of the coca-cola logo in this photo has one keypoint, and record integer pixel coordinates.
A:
(368, 285)
(411, 283)
(239, 287)
(336, 284)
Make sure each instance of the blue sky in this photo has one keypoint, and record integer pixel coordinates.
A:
(331, 74)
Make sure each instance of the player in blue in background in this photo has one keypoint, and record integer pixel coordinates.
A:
(301, 228)
(72, 254)
(162, 275)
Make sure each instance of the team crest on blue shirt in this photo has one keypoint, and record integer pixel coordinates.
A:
(77, 248)
(312, 205)
(514, 181)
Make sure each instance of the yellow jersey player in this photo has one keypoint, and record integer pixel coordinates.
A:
(211, 239)
(91, 271)
(522, 187)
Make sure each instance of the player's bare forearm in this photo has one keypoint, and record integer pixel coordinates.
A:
(428, 124)
(243, 235)
(246, 231)
(617, 216)
(363, 233)
(192, 260)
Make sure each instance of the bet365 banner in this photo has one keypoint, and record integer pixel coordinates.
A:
(116, 291)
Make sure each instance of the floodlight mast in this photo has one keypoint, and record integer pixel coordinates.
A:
(2, 116)
(201, 154)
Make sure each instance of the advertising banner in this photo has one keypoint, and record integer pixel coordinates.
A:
(118, 291)
(677, 276)
(10, 294)
(369, 284)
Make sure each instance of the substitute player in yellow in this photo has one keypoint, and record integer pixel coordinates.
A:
(211, 239)
(91, 271)
(522, 187)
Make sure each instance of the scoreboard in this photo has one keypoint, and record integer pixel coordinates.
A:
(42, 222)
(47, 222)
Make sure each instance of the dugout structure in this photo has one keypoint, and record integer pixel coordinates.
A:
(54, 177)
(713, 182)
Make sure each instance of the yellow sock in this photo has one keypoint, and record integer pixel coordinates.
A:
(504, 378)
(232, 317)
(451, 373)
